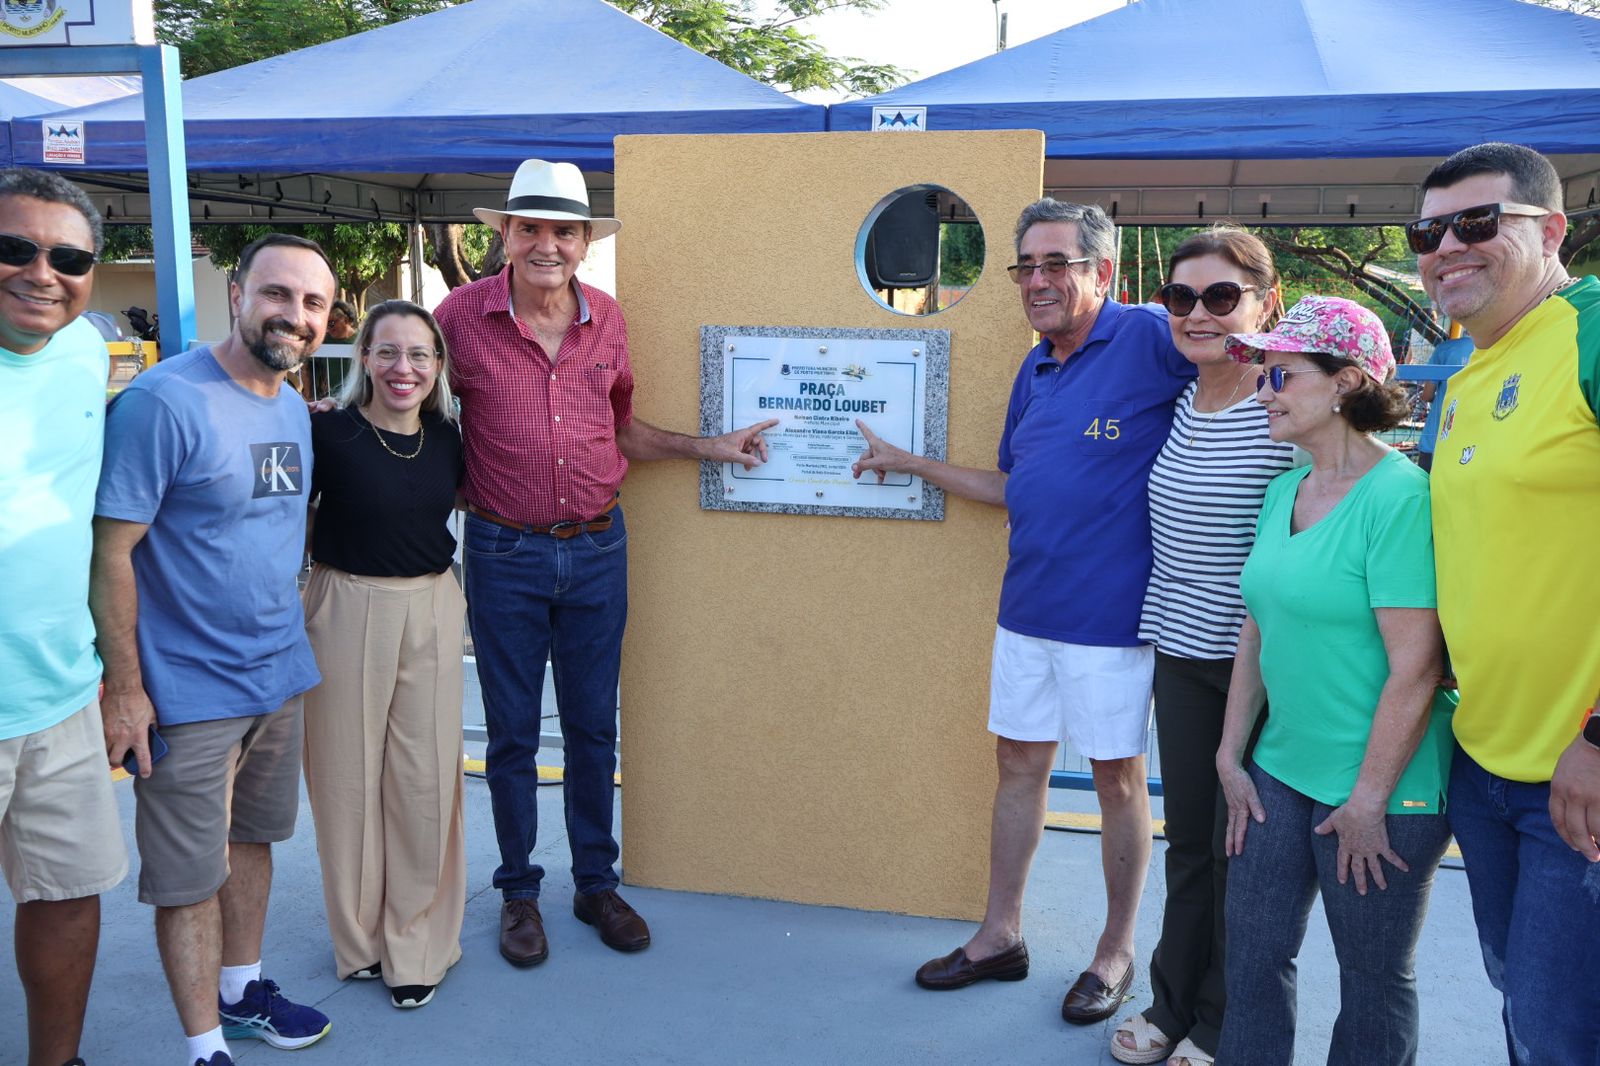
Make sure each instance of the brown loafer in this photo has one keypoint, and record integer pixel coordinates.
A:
(955, 970)
(522, 939)
(1092, 1000)
(620, 926)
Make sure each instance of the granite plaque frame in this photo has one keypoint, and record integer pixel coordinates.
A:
(818, 381)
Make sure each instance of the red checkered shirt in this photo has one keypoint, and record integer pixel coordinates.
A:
(540, 436)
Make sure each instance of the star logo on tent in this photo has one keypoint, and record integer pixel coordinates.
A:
(899, 119)
(64, 131)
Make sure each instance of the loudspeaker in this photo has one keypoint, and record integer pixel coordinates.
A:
(903, 247)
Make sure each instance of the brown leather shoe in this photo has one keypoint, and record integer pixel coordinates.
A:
(1092, 1000)
(522, 939)
(620, 926)
(955, 970)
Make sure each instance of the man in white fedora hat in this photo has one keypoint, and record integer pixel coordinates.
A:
(540, 362)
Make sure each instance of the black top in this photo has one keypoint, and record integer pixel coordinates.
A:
(380, 515)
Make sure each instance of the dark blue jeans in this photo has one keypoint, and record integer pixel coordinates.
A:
(1537, 905)
(531, 597)
(1271, 887)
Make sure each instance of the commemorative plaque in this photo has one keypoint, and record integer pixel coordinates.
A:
(817, 383)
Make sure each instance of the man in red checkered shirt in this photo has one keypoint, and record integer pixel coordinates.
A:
(540, 362)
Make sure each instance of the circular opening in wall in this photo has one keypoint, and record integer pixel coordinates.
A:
(920, 250)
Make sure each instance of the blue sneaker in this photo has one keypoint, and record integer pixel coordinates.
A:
(262, 1014)
(221, 1058)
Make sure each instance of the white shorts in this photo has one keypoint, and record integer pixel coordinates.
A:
(1097, 699)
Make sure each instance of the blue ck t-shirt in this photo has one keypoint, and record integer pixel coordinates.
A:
(52, 418)
(220, 476)
(1079, 442)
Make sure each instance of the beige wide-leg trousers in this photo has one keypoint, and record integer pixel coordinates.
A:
(383, 769)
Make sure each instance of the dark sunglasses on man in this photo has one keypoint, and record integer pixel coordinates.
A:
(64, 259)
(1471, 225)
(1219, 298)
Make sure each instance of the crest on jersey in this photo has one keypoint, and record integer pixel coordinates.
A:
(1507, 400)
(1448, 422)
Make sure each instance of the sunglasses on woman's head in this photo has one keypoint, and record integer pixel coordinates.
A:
(64, 259)
(1471, 225)
(1219, 298)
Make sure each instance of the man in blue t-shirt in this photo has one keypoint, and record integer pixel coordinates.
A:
(1089, 411)
(60, 836)
(199, 532)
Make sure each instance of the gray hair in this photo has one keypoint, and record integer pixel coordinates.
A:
(357, 388)
(53, 189)
(1097, 235)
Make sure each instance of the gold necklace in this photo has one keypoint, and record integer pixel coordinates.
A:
(422, 435)
(1194, 429)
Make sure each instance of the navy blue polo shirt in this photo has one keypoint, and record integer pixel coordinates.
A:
(1080, 438)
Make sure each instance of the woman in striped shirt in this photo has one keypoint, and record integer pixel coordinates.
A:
(1205, 491)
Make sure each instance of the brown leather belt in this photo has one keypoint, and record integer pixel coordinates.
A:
(560, 531)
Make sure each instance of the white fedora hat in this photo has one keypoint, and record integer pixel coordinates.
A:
(552, 191)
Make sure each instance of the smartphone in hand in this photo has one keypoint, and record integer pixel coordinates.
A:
(158, 748)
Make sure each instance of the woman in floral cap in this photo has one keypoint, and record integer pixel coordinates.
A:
(1344, 794)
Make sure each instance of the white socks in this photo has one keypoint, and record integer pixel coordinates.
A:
(231, 981)
(202, 1047)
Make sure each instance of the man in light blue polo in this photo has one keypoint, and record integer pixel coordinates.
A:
(199, 532)
(60, 837)
(1090, 409)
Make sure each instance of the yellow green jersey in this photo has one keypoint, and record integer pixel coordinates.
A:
(1516, 512)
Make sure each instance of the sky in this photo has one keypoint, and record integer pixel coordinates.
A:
(928, 36)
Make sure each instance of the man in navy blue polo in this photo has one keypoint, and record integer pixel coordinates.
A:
(1090, 409)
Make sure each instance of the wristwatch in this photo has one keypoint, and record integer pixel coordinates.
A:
(1591, 729)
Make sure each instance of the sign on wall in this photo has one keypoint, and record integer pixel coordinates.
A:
(818, 383)
(75, 22)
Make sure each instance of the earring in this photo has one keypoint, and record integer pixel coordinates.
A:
(1335, 408)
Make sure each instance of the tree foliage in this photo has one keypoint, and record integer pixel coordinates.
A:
(214, 35)
(771, 47)
(362, 253)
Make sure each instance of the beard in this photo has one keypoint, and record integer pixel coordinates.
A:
(277, 354)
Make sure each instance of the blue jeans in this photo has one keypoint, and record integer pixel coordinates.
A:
(531, 597)
(1537, 905)
(1271, 888)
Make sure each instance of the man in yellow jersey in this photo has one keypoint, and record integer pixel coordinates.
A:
(1516, 503)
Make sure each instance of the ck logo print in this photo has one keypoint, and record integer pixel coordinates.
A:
(278, 470)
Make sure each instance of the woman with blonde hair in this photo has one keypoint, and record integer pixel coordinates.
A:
(385, 615)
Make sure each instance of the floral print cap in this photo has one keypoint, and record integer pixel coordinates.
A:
(1330, 325)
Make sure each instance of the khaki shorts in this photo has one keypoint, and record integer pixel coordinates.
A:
(234, 779)
(60, 836)
(1095, 698)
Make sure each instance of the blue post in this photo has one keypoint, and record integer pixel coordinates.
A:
(169, 196)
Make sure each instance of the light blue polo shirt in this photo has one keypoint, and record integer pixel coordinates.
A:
(52, 420)
(1079, 442)
(220, 476)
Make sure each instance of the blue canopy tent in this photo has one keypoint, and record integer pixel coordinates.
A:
(38, 96)
(1290, 110)
(421, 117)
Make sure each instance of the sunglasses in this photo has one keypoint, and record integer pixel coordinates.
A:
(1276, 376)
(1220, 298)
(1053, 267)
(64, 259)
(1471, 225)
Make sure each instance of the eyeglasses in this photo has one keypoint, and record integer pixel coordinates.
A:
(1471, 225)
(64, 259)
(388, 355)
(1220, 298)
(1052, 267)
(1276, 374)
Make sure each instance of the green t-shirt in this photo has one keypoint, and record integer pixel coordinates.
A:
(1322, 656)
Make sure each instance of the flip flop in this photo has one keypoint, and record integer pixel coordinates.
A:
(1150, 1044)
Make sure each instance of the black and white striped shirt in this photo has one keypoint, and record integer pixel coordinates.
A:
(1204, 499)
